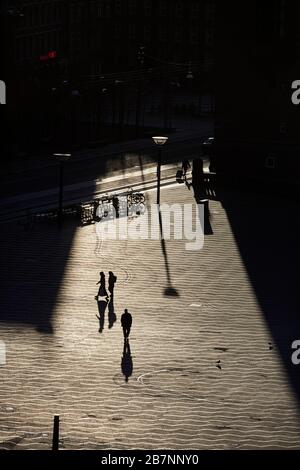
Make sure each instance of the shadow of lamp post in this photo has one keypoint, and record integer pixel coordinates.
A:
(159, 141)
(62, 158)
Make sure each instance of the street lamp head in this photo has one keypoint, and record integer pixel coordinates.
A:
(160, 140)
(62, 156)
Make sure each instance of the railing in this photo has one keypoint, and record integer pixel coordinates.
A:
(128, 204)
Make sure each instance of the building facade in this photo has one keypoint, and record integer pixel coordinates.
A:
(258, 58)
(58, 55)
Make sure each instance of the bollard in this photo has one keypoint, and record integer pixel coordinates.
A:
(55, 438)
(205, 203)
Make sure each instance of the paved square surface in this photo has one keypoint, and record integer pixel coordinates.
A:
(208, 370)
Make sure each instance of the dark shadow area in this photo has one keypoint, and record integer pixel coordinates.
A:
(33, 265)
(203, 190)
(263, 221)
(169, 290)
(141, 165)
(126, 364)
(264, 229)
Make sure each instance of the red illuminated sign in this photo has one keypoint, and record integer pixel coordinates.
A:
(49, 55)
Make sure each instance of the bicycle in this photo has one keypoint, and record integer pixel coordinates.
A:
(135, 198)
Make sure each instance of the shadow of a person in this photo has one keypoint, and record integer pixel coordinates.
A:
(111, 313)
(126, 364)
(112, 279)
(102, 304)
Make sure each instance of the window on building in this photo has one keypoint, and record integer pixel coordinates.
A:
(163, 34)
(179, 9)
(44, 42)
(23, 47)
(147, 33)
(210, 12)
(59, 40)
(100, 9)
(28, 15)
(59, 10)
(131, 58)
(118, 7)
(34, 15)
(30, 46)
(194, 34)
(44, 18)
(77, 12)
(52, 13)
(117, 31)
(195, 10)
(132, 7)
(39, 19)
(108, 9)
(209, 36)
(163, 8)
(282, 18)
(36, 45)
(266, 22)
(132, 32)
(18, 49)
(178, 35)
(147, 7)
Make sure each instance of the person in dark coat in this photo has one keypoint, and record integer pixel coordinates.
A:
(185, 167)
(126, 322)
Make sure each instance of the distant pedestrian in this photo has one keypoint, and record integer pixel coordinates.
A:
(185, 167)
(101, 280)
(126, 322)
(112, 279)
(197, 172)
(116, 206)
(102, 289)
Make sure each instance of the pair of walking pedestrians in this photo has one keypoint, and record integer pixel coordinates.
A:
(126, 318)
(112, 279)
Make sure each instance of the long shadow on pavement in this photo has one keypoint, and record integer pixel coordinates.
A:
(33, 265)
(264, 229)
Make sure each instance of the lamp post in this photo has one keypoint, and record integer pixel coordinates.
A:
(61, 157)
(159, 141)
(141, 58)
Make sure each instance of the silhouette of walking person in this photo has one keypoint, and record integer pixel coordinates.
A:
(102, 292)
(126, 364)
(198, 179)
(112, 279)
(126, 322)
(185, 167)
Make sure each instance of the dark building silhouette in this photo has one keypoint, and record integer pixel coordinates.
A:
(257, 56)
(74, 67)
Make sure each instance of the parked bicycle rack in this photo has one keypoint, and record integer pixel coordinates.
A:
(106, 208)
